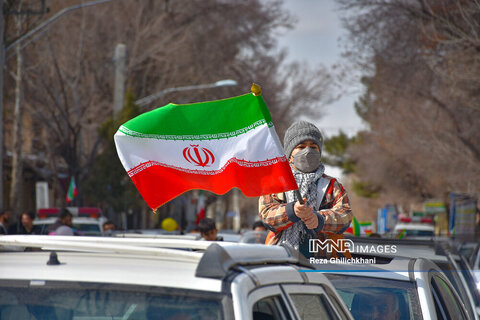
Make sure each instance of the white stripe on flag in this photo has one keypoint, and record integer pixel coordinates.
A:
(258, 144)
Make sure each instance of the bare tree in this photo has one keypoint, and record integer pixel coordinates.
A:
(69, 71)
(422, 99)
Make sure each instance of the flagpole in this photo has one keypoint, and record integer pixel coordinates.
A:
(256, 91)
(299, 196)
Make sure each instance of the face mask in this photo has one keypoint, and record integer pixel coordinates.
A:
(307, 160)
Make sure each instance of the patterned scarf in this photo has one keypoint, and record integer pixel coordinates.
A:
(307, 184)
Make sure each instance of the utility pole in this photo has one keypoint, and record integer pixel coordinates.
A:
(21, 43)
(236, 208)
(16, 189)
(120, 60)
(120, 63)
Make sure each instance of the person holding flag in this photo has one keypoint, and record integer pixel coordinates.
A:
(323, 213)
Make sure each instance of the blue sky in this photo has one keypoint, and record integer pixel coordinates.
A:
(315, 40)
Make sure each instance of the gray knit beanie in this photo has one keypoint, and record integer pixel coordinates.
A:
(301, 131)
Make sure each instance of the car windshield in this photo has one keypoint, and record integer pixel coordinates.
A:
(419, 233)
(61, 300)
(87, 227)
(375, 298)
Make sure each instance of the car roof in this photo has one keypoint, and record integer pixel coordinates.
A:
(397, 269)
(176, 263)
(104, 268)
(52, 220)
(414, 226)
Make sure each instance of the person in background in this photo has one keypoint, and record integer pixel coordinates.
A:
(64, 220)
(208, 230)
(63, 231)
(325, 213)
(25, 225)
(260, 232)
(258, 226)
(109, 226)
(4, 220)
(387, 308)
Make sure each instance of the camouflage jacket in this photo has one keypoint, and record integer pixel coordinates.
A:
(335, 207)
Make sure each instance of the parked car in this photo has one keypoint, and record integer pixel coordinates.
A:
(437, 251)
(413, 230)
(403, 288)
(139, 278)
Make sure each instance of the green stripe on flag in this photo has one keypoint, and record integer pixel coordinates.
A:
(227, 117)
(355, 227)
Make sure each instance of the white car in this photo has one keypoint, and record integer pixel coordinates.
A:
(139, 278)
(434, 251)
(414, 230)
(87, 221)
(403, 288)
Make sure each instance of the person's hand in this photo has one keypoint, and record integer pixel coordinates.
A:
(306, 214)
(301, 210)
(311, 222)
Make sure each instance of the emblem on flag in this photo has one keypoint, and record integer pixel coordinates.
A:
(192, 155)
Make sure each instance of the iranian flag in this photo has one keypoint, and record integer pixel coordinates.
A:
(214, 146)
(72, 191)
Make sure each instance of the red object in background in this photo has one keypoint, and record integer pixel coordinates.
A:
(200, 207)
(200, 215)
(426, 220)
(47, 213)
(90, 212)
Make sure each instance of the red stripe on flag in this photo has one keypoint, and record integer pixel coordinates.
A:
(158, 184)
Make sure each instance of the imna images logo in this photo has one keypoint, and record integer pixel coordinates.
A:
(339, 245)
(347, 245)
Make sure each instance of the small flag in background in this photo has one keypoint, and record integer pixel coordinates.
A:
(215, 146)
(401, 234)
(354, 228)
(72, 190)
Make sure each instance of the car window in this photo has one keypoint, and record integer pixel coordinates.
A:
(467, 273)
(62, 300)
(446, 303)
(87, 227)
(315, 301)
(312, 306)
(454, 278)
(336, 303)
(43, 227)
(269, 308)
(371, 298)
(419, 233)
